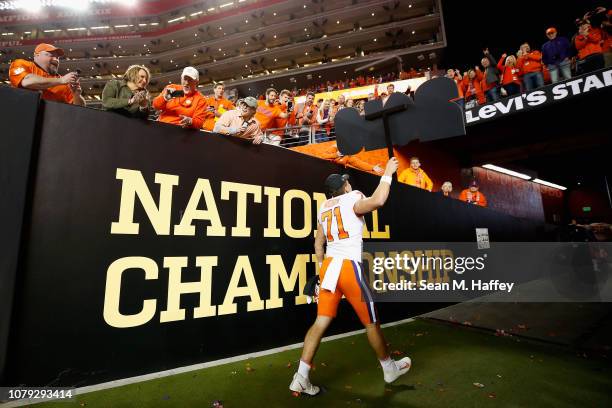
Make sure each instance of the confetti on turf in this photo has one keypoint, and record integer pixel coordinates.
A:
(478, 385)
(250, 369)
(499, 376)
(419, 334)
(288, 365)
(83, 404)
(492, 395)
(466, 323)
(323, 365)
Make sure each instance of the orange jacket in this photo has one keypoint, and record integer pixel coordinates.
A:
(193, 106)
(222, 105)
(20, 68)
(509, 74)
(416, 178)
(589, 44)
(476, 198)
(531, 62)
(267, 115)
(473, 87)
(282, 122)
(347, 161)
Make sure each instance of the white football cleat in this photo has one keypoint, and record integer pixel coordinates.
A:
(303, 385)
(400, 367)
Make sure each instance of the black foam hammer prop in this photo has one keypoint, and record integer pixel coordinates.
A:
(432, 115)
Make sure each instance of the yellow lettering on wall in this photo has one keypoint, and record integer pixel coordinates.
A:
(176, 288)
(112, 293)
(278, 272)
(241, 190)
(133, 184)
(272, 231)
(233, 291)
(287, 225)
(186, 227)
(386, 234)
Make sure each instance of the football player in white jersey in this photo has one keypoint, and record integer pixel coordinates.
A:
(340, 225)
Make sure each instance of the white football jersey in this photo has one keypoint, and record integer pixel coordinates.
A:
(343, 229)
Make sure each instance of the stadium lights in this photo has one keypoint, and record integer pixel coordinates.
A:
(507, 171)
(35, 5)
(549, 184)
(231, 3)
(211, 9)
(99, 28)
(76, 29)
(197, 13)
(176, 19)
(154, 24)
(7, 33)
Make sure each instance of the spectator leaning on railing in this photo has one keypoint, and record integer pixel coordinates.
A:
(511, 82)
(471, 195)
(556, 55)
(472, 88)
(42, 75)
(241, 122)
(530, 66)
(182, 104)
(588, 43)
(287, 105)
(268, 111)
(216, 106)
(490, 80)
(128, 96)
(307, 113)
(415, 176)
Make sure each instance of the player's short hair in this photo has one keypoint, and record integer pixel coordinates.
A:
(271, 90)
(414, 158)
(285, 92)
(310, 94)
(217, 84)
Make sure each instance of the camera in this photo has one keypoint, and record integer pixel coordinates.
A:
(176, 93)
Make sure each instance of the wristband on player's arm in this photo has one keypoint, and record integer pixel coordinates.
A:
(386, 179)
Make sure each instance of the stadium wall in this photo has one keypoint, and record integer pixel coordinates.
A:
(122, 211)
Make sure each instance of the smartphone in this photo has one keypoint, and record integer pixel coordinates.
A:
(176, 93)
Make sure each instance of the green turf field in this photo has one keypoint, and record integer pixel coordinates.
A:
(447, 361)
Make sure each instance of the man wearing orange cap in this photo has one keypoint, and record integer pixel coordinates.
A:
(42, 75)
(471, 195)
(556, 55)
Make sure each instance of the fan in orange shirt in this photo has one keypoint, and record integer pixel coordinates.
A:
(267, 113)
(182, 104)
(42, 75)
(217, 105)
(471, 195)
(415, 176)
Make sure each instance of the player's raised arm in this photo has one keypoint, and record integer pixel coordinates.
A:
(319, 242)
(379, 197)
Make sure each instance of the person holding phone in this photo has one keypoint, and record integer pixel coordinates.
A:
(42, 75)
(128, 96)
(183, 104)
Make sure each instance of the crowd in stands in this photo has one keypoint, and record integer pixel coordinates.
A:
(558, 58)
(360, 80)
(268, 120)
